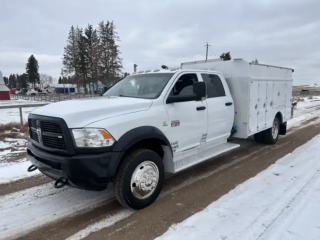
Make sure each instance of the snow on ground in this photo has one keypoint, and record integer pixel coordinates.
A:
(305, 110)
(31, 208)
(12, 114)
(282, 202)
(106, 222)
(16, 172)
(12, 151)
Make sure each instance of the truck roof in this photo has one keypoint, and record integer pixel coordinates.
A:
(174, 70)
(237, 68)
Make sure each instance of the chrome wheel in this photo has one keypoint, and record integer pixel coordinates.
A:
(275, 130)
(144, 179)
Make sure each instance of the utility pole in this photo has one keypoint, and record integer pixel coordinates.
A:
(135, 67)
(207, 48)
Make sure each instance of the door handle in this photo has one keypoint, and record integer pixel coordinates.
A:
(201, 108)
(228, 103)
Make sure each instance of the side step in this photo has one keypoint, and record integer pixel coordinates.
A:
(203, 156)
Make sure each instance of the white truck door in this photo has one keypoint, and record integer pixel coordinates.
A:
(220, 108)
(187, 120)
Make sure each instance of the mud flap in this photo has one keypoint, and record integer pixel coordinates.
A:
(283, 128)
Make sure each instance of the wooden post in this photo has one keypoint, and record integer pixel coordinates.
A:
(21, 119)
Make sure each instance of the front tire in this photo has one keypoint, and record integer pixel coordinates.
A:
(271, 135)
(139, 180)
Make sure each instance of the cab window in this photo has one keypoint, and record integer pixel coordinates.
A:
(184, 85)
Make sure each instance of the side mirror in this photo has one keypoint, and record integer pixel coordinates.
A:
(200, 90)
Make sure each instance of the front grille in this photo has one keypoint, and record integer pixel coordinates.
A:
(54, 142)
(51, 127)
(48, 134)
(34, 136)
(33, 123)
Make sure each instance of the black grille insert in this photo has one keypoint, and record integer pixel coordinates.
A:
(51, 127)
(48, 134)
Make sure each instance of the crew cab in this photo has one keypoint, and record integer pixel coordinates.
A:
(156, 122)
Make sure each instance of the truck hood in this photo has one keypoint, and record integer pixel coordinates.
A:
(81, 112)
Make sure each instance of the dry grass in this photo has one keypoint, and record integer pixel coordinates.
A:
(14, 127)
(13, 130)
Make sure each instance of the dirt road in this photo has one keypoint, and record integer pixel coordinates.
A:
(183, 195)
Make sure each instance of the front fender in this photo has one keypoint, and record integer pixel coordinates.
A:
(138, 134)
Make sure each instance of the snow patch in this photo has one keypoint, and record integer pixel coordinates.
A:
(26, 210)
(16, 171)
(281, 202)
(4, 145)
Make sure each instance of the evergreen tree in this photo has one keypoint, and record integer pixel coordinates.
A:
(60, 80)
(82, 51)
(6, 80)
(22, 80)
(12, 81)
(116, 61)
(104, 61)
(70, 56)
(32, 70)
(93, 53)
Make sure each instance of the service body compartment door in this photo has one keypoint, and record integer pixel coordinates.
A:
(269, 111)
(279, 89)
(253, 111)
(262, 102)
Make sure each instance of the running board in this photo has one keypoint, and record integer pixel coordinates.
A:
(203, 156)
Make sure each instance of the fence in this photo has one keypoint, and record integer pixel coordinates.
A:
(20, 108)
(52, 97)
(305, 93)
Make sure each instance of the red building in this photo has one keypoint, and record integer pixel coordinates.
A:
(4, 91)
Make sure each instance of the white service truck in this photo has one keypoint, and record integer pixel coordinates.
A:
(157, 122)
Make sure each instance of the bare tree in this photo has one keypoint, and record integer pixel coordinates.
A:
(45, 79)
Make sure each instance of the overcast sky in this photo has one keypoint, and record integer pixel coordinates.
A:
(277, 32)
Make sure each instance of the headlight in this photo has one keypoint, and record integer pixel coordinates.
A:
(92, 138)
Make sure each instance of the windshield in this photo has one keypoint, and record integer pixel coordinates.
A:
(140, 86)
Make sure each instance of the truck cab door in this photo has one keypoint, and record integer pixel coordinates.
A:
(220, 108)
(187, 120)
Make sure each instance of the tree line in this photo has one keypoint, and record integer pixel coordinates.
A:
(91, 55)
(30, 77)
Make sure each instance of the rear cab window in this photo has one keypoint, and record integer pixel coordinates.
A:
(214, 85)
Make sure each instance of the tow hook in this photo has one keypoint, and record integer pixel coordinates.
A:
(61, 182)
(32, 168)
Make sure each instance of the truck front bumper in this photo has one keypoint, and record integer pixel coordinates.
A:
(86, 171)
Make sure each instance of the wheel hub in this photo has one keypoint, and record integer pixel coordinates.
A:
(144, 179)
